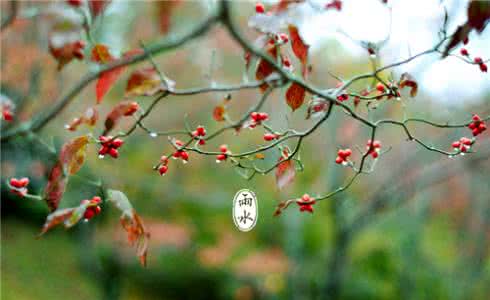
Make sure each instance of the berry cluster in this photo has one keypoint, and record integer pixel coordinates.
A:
(281, 38)
(199, 133)
(224, 153)
(477, 126)
(343, 156)
(463, 145)
(182, 154)
(93, 207)
(306, 203)
(109, 146)
(7, 114)
(19, 186)
(481, 64)
(258, 118)
(373, 148)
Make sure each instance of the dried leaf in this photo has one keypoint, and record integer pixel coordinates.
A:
(408, 80)
(132, 223)
(55, 187)
(67, 216)
(121, 109)
(285, 171)
(478, 16)
(295, 96)
(101, 54)
(144, 82)
(70, 161)
(282, 206)
(300, 49)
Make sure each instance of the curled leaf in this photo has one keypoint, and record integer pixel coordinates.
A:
(282, 206)
(408, 80)
(120, 110)
(285, 171)
(295, 96)
(132, 223)
(101, 54)
(300, 48)
(71, 159)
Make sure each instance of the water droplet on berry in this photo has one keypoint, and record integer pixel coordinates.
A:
(101, 156)
(218, 161)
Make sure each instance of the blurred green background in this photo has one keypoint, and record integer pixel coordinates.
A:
(418, 227)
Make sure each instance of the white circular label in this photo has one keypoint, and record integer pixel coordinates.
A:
(245, 210)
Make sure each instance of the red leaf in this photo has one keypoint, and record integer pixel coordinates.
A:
(116, 113)
(55, 187)
(68, 216)
(285, 171)
(105, 82)
(300, 49)
(295, 96)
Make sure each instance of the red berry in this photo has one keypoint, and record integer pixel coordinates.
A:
(220, 157)
(164, 159)
(335, 4)
(269, 136)
(15, 183)
(162, 169)
(177, 154)
(97, 210)
(483, 67)
(263, 116)
(89, 213)
(478, 60)
(380, 87)
(456, 144)
(465, 41)
(223, 148)
(117, 143)
(202, 142)
(259, 8)
(113, 152)
(255, 116)
(7, 115)
(464, 52)
(96, 200)
(184, 155)
(201, 131)
(374, 154)
(377, 144)
(339, 160)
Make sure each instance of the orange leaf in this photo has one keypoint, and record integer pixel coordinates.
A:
(295, 96)
(105, 82)
(300, 49)
(73, 153)
(144, 82)
(285, 171)
(132, 223)
(408, 80)
(121, 109)
(101, 54)
(219, 113)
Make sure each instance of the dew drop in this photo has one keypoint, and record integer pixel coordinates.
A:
(218, 161)
(153, 134)
(101, 156)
